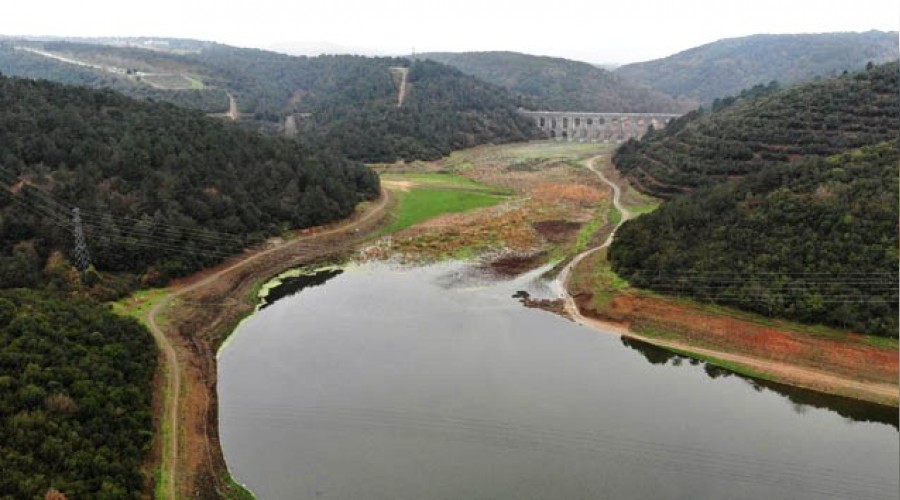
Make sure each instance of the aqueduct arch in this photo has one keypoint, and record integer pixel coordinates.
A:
(597, 127)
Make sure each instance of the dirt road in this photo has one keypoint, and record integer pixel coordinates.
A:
(570, 306)
(174, 368)
(783, 372)
(233, 112)
(401, 94)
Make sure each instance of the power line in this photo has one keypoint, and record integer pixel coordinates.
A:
(197, 233)
(52, 204)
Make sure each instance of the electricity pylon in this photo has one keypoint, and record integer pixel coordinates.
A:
(82, 256)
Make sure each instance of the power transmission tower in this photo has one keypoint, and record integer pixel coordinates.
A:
(82, 256)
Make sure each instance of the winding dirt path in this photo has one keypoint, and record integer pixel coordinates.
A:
(784, 372)
(563, 279)
(173, 368)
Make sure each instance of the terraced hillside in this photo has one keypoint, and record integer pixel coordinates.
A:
(760, 131)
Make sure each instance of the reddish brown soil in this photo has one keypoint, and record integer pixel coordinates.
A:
(552, 193)
(848, 355)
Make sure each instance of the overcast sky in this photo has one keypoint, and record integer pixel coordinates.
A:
(593, 30)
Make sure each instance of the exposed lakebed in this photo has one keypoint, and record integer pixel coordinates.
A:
(385, 381)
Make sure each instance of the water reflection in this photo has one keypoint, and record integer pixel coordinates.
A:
(803, 400)
(293, 283)
(298, 280)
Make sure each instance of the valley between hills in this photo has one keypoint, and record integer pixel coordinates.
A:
(171, 209)
(548, 206)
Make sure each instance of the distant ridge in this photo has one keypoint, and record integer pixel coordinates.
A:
(556, 84)
(725, 67)
(345, 102)
(313, 49)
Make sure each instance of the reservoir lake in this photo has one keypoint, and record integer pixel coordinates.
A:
(384, 381)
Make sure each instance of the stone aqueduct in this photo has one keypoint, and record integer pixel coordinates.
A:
(598, 127)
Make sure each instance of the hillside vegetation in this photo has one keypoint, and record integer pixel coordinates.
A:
(164, 190)
(765, 128)
(727, 66)
(814, 241)
(555, 84)
(444, 111)
(346, 101)
(793, 204)
(75, 394)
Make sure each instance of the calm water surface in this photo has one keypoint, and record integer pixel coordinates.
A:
(388, 382)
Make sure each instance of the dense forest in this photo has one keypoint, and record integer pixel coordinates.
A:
(75, 398)
(554, 84)
(163, 190)
(725, 67)
(445, 110)
(764, 128)
(814, 241)
(348, 102)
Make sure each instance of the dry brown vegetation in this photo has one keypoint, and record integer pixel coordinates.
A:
(553, 198)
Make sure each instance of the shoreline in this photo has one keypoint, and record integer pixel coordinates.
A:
(753, 366)
(224, 296)
(219, 299)
(773, 371)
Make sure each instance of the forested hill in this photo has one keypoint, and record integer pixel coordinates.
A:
(163, 190)
(75, 398)
(556, 84)
(726, 67)
(814, 241)
(351, 101)
(444, 110)
(764, 128)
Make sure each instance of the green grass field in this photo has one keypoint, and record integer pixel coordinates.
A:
(419, 205)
